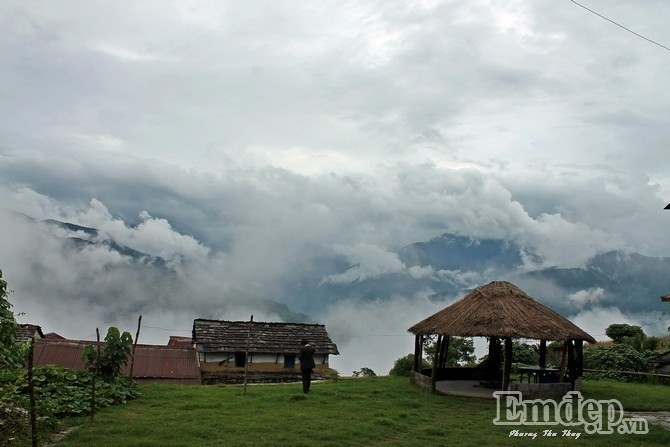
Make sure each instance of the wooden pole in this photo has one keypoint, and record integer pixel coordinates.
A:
(132, 355)
(433, 376)
(445, 351)
(563, 354)
(493, 362)
(579, 353)
(246, 355)
(31, 393)
(95, 375)
(571, 363)
(543, 354)
(417, 354)
(507, 368)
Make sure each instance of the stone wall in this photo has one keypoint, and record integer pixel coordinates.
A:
(541, 390)
(420, 380)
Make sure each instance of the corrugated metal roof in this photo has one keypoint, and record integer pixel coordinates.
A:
(151, 362)
(273, 338)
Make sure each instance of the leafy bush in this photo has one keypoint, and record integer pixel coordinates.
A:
(14, 423)
(61, 392)
(525, 354)
(613, 360)
(11, 355)
(403, 366)
(461, 350)
(364, 372)
(114, 355)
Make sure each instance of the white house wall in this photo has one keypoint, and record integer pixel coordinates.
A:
(254, 358)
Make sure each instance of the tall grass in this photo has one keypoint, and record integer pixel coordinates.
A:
(379, 411)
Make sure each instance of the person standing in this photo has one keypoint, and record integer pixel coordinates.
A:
(306, 357)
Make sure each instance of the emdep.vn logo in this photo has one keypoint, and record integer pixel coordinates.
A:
(596, 416)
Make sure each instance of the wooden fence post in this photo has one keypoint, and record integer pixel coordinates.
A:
(246, 355)
(95, 375)
(31, 393)
(132, 356)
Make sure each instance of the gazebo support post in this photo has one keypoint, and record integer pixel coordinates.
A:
(493, 362)
(563, 356)
(543, 354)
(433, 376)
(579, 364)
(507, 368)
(572, 366)
(418, 353)
(444, 352)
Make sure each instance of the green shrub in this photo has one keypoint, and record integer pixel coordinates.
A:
(614, 360)
(62, 392)
(404, 365)
(14, 423)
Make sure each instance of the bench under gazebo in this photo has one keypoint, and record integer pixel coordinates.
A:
(501, 312)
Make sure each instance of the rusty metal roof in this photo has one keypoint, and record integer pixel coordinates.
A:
(151, 362)
(272, 338)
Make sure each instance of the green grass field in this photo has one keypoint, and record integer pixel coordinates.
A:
(381, 411)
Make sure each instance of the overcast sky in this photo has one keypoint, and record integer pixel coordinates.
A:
(245, 136)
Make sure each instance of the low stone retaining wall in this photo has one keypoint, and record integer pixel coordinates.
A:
(420, 380)
(541, 390)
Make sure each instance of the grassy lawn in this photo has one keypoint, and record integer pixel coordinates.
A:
(381, 411)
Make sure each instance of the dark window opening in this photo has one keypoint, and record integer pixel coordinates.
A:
(240, 359)
(289, 361)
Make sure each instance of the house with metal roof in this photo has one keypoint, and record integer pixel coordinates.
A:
(264, 351)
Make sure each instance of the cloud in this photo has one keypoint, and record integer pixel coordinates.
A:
(239, 142)
(368, 261)
(374, 334)
(583, 297)
(596, 320)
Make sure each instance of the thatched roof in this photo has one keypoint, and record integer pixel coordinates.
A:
(500, 309)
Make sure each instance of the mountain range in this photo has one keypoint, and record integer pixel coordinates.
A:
(442, 269)
(449, 266)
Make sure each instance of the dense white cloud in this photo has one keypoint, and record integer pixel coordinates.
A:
(584, 297)
(240, 140)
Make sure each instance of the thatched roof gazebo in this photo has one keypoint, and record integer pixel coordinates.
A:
(501, 311)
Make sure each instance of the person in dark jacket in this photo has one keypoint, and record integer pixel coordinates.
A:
(306, 357)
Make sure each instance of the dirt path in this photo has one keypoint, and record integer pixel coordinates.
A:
(661, 418)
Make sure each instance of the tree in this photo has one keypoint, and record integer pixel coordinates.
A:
(113, 357)
(461, 350)
(618, 332)
(10, 352)
(403, 366)
(626, 333)
(525, 353)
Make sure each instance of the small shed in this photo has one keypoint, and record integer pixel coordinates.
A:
(25, 332)
(661, 363)
(501, 311)
(266, 350)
